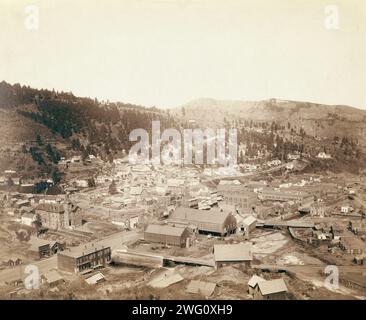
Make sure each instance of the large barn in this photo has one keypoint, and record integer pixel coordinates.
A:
(176, 236)
(214, 221)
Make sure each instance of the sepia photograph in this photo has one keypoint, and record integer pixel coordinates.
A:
(205, 152)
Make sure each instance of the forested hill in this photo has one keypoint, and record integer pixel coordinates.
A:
(38, 127)
(83, 123)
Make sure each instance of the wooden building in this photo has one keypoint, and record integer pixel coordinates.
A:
(84, 257)
(176, 236)
(213, 221)
(246, 224)
(299, 197)
(252, 284)
(271, 290)
(52, 278)
(52, 215)
(40, 248)
(58, 215)
(240, 253)
(239, 196)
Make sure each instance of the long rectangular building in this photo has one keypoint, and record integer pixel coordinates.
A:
(284, 196)
(213, 221)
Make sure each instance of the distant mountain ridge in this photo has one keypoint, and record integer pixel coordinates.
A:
(316, 119)
(275, 105)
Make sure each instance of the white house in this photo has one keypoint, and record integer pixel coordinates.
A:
(323, 155)
(293, 156)
(27, 219)
(81, 183)
(290, 166)
(346, 208)
(75, 159)
(3, 180)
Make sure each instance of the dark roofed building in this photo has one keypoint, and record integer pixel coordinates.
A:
(213, 221)
(176, 236)
(40, 247)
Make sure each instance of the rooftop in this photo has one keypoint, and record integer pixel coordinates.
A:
(253, 281)
(249, 220)
(165, 230)
(272, 286)
(233, 252)
(52, 276)
(83, 250)
(210, 216)
(57, 208)
(37, 242)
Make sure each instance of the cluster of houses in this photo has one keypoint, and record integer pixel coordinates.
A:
(50, 212)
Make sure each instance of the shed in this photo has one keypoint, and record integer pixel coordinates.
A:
(271, 290)
(95, 279)
(39, 247)
(52, 278)
(247, 224)
(253, 282)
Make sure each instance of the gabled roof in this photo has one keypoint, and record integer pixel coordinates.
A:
(249, 220)
(253, 281)
(165, 230)
(272, 286)
(195, 215)
(37, 242)
(233, 252)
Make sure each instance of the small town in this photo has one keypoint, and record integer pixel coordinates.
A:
(183, 158)
(149, 232)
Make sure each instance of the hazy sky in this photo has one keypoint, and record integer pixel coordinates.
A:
(168, 52)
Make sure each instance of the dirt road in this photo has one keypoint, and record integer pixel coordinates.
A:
(18, 272)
